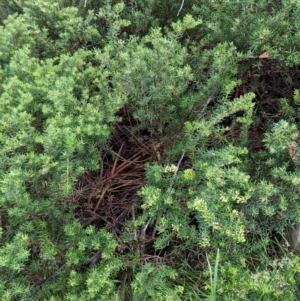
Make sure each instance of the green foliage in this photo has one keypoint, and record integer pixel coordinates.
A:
(56, 110)
(67, 68)
(253, 26)
(151, 283)
(214, 277)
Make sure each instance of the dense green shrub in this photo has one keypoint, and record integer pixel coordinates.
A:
(67, 68)
(57, 105)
